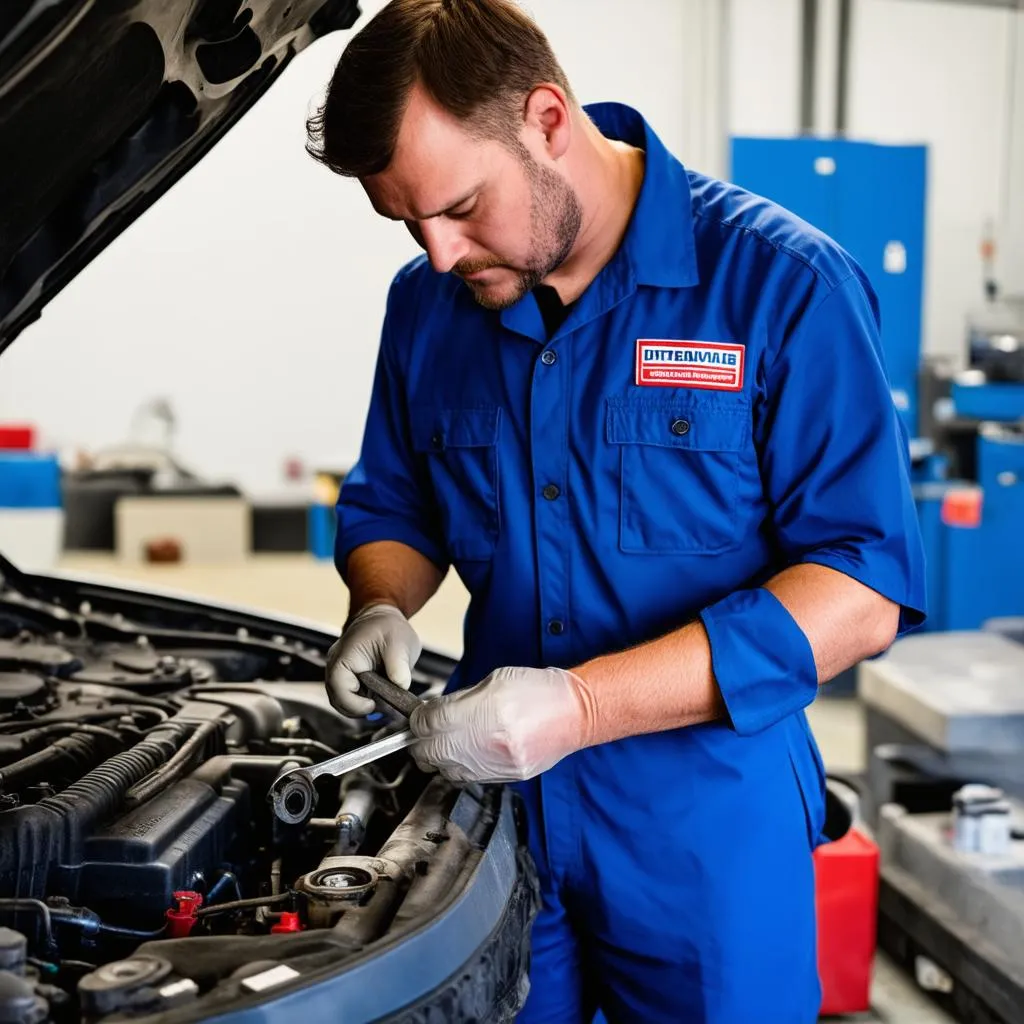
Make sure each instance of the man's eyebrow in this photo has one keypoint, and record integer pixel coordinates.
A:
(452, 205)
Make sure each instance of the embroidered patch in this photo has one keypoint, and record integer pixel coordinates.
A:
(714, 365)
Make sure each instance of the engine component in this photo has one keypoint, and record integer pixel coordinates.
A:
(289, 922)
(53, 831)
(55, 754)
(259, 716)
(194, 749)
(45, 658)
(21, 689)
(142, 984)
(19, 1001)
(357, 806)
(141, 669)
(337, 885)
(13, 951)
(132, 868)
(141, 860)
(184, 915)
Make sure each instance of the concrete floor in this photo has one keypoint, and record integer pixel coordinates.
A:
(300, 586)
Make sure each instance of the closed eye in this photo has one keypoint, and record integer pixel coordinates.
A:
(462, 212)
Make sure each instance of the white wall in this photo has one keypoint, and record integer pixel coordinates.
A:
(262, 276)
(1012, 264)
(947, 74)
(764, 78)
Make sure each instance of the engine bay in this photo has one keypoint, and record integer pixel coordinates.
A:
(142, 869)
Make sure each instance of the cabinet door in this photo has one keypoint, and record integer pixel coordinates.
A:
(880, 221)
(799, 174)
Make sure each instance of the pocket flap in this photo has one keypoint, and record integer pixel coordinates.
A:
(694, 424)
(435, 429)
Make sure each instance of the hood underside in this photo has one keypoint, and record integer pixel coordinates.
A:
(104, 104)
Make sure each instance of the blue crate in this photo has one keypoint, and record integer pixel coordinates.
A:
(29, 481)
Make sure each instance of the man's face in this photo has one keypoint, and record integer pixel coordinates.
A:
(498, 219)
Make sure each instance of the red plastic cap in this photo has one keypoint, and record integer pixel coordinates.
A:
(289, 923)
(182, 918)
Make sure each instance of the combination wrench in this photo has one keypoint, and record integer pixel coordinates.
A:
(293, 793)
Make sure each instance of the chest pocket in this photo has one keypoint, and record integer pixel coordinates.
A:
(460, 447)
(680, 461)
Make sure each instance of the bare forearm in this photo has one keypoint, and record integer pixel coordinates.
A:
(387, 571)
(669, 683)
(843, 620)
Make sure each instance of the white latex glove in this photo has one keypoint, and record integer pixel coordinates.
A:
(378, 639)
(515, 724)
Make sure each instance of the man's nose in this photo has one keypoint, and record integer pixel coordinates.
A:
(444, 243)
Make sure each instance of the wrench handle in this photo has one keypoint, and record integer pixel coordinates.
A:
(390, 693)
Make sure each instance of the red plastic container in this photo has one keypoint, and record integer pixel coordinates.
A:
(17, 437)
(846, 887)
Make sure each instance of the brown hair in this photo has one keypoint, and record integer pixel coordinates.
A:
(478, 59)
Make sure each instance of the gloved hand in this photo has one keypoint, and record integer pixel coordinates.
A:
(379, 637)
(515, 724)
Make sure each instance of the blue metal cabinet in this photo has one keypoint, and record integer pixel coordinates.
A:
(976, 573)
(871, 199)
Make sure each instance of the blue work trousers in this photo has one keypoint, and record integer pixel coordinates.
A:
(678, 880)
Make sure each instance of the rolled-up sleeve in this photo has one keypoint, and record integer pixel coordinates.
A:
(835, 465)
(386, 495)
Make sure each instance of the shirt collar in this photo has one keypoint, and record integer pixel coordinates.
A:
(659, 241)
(658, 248)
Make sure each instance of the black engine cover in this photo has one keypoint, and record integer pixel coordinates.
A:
(131, 868)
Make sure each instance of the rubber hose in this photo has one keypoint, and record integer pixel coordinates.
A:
(69, 755)
(77, 717)
(175, 768)
(23, 742)
(131, 933)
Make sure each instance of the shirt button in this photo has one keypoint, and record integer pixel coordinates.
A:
(551, 492)
(680, 427)
(437, 441)
(548, 358)
(556, 627)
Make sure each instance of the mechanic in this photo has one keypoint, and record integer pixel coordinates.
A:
(645, 416)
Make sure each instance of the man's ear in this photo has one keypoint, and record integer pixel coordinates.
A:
(548, 121)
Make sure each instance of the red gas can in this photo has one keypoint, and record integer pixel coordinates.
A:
(846, 887)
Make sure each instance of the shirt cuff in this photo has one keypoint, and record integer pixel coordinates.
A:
(762, 660)
(351, 537)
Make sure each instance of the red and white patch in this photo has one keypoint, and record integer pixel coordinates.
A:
(713, 365)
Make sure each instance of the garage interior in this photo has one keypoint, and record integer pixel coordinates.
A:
(216, 360)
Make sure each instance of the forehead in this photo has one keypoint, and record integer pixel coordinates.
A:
(436, 162)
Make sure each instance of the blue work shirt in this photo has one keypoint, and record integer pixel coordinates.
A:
(714, 409)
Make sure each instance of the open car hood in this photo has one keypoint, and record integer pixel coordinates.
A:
(104, 104)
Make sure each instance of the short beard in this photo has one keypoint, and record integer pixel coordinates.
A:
(556, 217)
